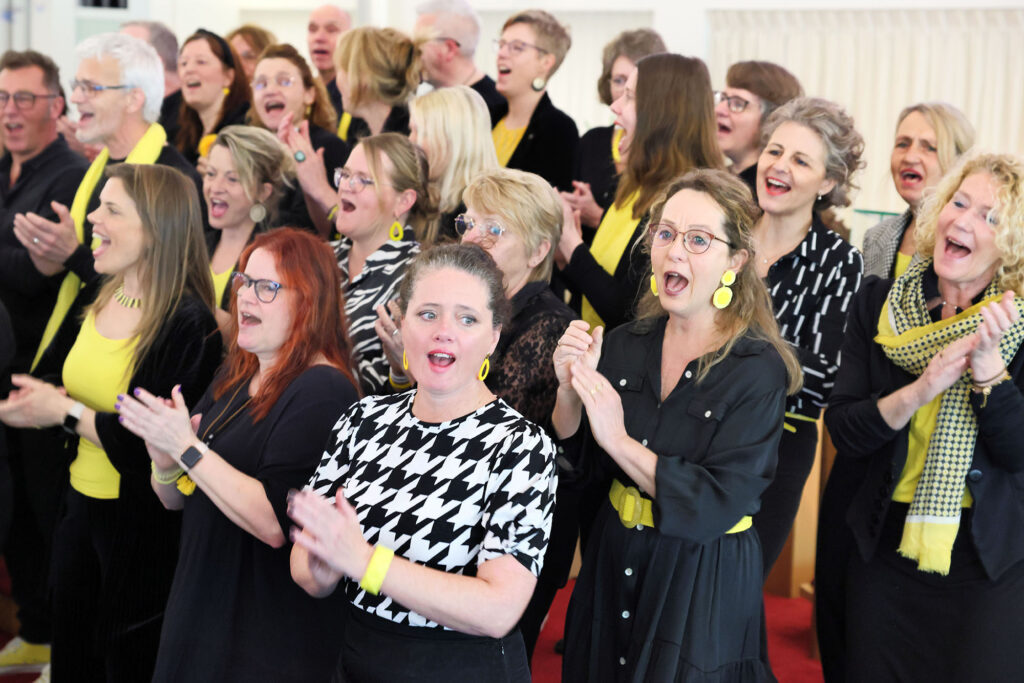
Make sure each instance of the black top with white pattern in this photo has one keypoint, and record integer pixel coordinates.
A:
(376, 285)
(449, 496)
(811, 289)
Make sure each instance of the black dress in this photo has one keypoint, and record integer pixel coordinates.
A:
(680, 601)
(234, 613)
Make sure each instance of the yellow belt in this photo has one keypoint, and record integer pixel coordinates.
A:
(636, 510)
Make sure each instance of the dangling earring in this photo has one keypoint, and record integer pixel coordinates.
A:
(723, 295)
(405, 361)
(226, 90)
(257, 212)
(654, 284)
(397, 232)
(538, 84)
(485, 368)
(820, 196)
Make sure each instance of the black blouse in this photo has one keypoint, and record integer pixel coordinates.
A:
(548, 146)
(595, 165)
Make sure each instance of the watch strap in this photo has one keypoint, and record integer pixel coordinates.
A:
(71, 419)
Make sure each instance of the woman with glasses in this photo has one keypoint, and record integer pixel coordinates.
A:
(531, 134)
(598, 161)
(249, 41)
(382, 200)
(677, 423)
(753, 90)
(811, 153)
(243, 180)
(288, 101)
(666, 114)
(234, 613)
(150, 327)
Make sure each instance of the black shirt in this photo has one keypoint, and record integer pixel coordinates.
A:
(749, 176)
(170, 112)
(811, 289)
(52, 175)
(548, 146)
(492, 98)
(396, 122)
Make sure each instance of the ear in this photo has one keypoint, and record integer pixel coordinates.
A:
(548, 62)
(56, 107)
(265, 191)
(739, 259)
(229, 77)
(827, 185)
(136, 100)
(404, 202)
(495, 336)
(539, 254)
(309, 96)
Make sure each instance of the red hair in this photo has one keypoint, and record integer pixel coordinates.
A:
(306, 266)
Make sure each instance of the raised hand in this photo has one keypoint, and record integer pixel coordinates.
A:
(330, 533)
(576, 345)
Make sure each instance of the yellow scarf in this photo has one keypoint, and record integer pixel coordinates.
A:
(343, 124)
(146, 151)
(609, 245)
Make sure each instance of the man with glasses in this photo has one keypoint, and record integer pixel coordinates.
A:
(38, 168)
(448, 32)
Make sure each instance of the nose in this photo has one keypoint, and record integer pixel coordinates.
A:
(676, 249)
(722, 107)
(913, 154)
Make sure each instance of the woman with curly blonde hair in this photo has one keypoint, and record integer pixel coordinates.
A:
(930, 398)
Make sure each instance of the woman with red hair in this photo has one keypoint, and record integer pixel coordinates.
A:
(259, 431)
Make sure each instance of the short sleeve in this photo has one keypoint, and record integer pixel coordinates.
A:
(301, 426)
(521, 497)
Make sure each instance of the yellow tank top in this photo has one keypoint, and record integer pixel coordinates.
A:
(220, 283)
(95, 372)
(610, 243)
(902, 263)
(506, 140)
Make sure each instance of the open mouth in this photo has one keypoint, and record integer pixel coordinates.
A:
(218, 208)
(101, 242)
(955, 249)
(347, 206)
(504, 70)
(910, 177)
(674, 283)
(84, 118)
(440, 359)
(271, 107)
(13, 127)
(192, 85)
(320, 52)
(776, 187)
(724, 128)
(247, 319)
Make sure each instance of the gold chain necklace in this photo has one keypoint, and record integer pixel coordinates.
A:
(208, 434)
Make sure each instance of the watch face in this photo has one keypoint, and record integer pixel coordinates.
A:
(190, 457)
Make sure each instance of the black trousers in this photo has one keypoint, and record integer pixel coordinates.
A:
(781, 500)
(84, 553)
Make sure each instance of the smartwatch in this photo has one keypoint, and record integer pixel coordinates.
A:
(72, 418)
(192, 455)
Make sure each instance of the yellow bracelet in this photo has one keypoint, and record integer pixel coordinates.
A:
(377, 569)
(186, 485)
(332, 213)
(168, 478)
(399, 386)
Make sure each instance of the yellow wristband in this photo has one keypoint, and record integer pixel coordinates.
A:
(165, 478)
(332, 213)
(380, 561)
(399, 386)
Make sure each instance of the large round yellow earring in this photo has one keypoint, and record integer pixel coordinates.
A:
(654, 284)
(485, 368)
(397, 232)
(226, 90)
(405, 361)
(723, 295)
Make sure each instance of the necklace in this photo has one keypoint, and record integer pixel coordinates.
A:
(125, 300)
(209, 434)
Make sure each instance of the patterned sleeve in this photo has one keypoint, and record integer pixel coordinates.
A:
(528, 382)
(334, 463)
(521, 496)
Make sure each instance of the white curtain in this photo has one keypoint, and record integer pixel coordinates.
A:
(875, 62)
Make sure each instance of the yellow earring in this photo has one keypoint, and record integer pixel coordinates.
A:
(405, 361)
(485, 368)
(227, 90)
(397, 232)
(723, 295)
(654, 284)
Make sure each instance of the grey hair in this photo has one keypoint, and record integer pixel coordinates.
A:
(162, 39)
(456, 19)
(844, 146)
(139, 64)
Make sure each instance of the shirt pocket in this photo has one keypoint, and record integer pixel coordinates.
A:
(704, 415)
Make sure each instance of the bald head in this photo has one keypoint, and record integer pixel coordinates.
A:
(326, 24)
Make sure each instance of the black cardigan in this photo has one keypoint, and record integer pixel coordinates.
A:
(548, 147)
(996, 476)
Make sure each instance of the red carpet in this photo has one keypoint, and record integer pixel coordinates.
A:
(789, 640)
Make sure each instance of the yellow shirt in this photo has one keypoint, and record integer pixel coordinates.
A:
(506, 140)
(902, 262)
(220, 283)
(610, 243)
(95, 372)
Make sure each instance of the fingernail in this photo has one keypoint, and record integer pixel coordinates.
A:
(117, 406)
(120, 418)
(291, 495)
(120, 397)
(137, 391)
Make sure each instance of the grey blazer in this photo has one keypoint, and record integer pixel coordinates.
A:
(881, 242)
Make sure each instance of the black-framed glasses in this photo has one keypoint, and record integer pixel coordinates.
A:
(464, 224)
(516, 47)
(92, 89)
(283, 80)
(266, 290)
(355, 181)
(22, 99)
(695, 240)
(736, 104)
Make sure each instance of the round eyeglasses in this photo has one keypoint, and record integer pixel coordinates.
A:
(736, 104)
(266, 290)
(695, 240)
(356, 182)
(464, 224)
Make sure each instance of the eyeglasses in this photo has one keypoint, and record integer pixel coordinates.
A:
(22, 99)
(356, 182)
(283, 80)
(444, 39)
(464, 224)
(695, 241)
(266, 290)
(92, 89)
(516, 47)
(736, 104)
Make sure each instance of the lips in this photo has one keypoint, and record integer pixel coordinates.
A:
(724, 128)
(347, 206)
(218, 207)
(910, 177)
(775, 187)
(102, 246)
(273, 106)
(674, 283)
(246, 319)
(440, 359)
(956, 249)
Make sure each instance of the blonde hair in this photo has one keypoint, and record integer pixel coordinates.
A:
(751, 312)
(526, 204)
(174, 262)
(453, 125)
(259, 158)
(409, 171)
(954, 134)
(382, 64)
(1007, 172)
(552, 37)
